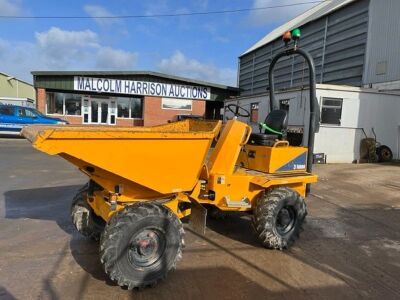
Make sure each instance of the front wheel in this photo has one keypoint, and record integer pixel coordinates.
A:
(278, 217)
(141, 244)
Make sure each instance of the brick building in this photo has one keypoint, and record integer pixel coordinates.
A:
(126, 98)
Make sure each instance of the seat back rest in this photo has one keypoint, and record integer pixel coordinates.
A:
(277, 120)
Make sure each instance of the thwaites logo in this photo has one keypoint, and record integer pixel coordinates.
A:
(299, 167)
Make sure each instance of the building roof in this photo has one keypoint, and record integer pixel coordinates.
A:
(312, 14)
(134, 73)
(13, 77)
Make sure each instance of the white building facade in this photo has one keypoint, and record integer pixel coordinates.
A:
(348, 114)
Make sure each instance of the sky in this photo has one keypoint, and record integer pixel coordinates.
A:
(203, 47)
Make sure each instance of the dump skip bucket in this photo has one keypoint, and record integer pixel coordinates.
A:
(166, 158)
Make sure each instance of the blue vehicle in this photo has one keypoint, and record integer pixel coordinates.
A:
(13, 118)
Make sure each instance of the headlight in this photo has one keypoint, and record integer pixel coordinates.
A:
(62, 122)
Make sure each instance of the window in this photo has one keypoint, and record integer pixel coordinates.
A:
(73, 104)
(26, 112)
(123, 107)
(64, 104)
(30, 113)
(130, 108)
(331, 112)
(284, 104)
(136, 108)
(20, 112)
(34, 112)
(55, 103)
(6, 110)
(254, 112)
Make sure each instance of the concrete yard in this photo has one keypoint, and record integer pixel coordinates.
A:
(349, 249)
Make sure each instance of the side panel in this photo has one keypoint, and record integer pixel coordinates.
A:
(8, 123)
(273, 159)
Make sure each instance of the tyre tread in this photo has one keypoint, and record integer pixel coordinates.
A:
(113, 233)
(83, 217)
(264, 216)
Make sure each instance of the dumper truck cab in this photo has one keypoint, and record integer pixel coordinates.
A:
(144, 180)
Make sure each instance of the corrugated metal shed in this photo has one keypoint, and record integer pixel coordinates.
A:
(312, 14)
(383, 59)
(337, 42)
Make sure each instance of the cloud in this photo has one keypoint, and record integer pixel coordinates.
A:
(57, 49)
(212, 29)
(96, 11)
(155, 7)
(109, 58)
(4, 45)
(202, 4)
(18, 58)
(179, 64)
(62, 47)
(275, 15)
(10, 8)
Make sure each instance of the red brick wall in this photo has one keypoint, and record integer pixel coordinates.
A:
(76, 120)
(153, 114)
(41, 100)
(70, 119)
(129, 122)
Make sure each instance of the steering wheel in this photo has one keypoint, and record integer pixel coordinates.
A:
(235, 109)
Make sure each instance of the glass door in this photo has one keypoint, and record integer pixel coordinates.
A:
(85, 110)
(104, 112)
(94, 106)
(99, 111)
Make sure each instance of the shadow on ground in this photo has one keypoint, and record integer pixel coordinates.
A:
(50, 203)
(5, 295)
(356, 247)
(236, 226)
(11, 136)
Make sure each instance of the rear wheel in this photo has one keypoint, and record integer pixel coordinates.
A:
(278, 217)
(384, 153)
(141, 244)
(83, 217)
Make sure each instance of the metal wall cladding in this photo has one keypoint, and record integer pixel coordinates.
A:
(383, 63)
(337, 42)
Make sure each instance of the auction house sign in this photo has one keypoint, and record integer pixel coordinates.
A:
(131, 87)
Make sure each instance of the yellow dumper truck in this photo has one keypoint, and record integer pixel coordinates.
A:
(143, 180)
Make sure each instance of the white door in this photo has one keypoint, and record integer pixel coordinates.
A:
(99, 111)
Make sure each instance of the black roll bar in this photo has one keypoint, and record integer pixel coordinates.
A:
(314, 107)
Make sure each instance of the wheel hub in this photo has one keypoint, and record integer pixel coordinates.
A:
(285, 220)
(385, 154)
(146, 247)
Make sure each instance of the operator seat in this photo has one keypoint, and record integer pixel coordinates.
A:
(277, 120)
